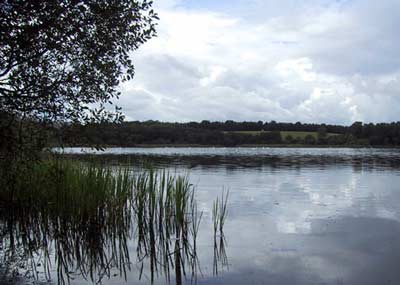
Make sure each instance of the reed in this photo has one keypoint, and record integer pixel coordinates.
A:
(219, 214)
(223, 210)
(168, 223)
(77, 213)
(82, 215)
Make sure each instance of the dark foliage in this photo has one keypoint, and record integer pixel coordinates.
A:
(229, 133)
(57, 57)
(61, 62)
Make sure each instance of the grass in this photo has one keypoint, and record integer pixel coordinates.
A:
(284, 134)
(85, 213)
(302, 135)
(298, 135)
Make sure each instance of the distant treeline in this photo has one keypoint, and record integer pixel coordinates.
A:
(230, 133)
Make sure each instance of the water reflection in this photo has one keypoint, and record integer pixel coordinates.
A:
(295, 219)
(238, 151)
(347, 250)
(220, 258)
(219, 213)
(92, 246)
(242, 158)
(311, 226)
(151, 235)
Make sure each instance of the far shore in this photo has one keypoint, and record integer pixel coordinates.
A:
(222, 146)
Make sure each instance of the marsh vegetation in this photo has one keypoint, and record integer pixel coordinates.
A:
(219, 213)
(81, 220)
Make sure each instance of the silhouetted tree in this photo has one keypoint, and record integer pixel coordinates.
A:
(61, 61)
(356, 129)
(309, 140)
(322, 134)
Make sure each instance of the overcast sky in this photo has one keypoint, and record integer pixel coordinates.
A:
(287, 60)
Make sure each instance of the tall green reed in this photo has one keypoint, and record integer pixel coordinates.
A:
(83, 214)
(219, 214)
(168, 222)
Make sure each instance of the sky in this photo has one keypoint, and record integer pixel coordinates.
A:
(314, 61)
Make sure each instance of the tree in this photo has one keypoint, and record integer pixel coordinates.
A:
(356, 129)
(58, 58)
(322, 132)
(309, 140)
(289, 139)
(61, 61)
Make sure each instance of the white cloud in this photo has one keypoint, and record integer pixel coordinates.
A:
(215, 72)
(314, 61)
(301, 67)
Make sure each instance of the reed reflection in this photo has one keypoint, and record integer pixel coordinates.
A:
(219, 213)
(89, 245)
(155, 211)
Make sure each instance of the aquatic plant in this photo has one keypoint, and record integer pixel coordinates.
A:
(169, 223)
(77, 212)
(83, 214)
(219, 214)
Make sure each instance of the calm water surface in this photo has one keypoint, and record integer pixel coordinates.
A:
(295, 216)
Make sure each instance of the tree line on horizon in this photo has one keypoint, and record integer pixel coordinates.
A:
(230, 133)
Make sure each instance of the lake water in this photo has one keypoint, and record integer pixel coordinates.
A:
(295, 215)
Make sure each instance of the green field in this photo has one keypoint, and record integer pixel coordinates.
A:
(284, 134)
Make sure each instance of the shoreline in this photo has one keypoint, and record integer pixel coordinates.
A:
(237, 146)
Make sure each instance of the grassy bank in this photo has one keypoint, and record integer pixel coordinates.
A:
(284, 134)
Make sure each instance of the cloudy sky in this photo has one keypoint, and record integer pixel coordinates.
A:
(289, 60)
